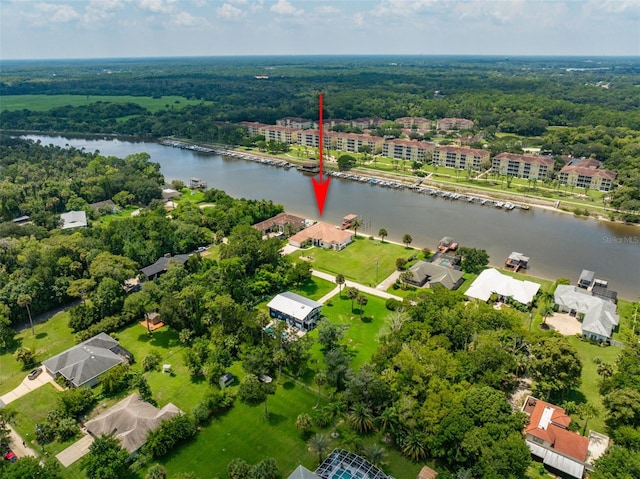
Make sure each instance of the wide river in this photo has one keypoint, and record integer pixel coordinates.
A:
(560, 245)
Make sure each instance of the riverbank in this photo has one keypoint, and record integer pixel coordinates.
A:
(428, 185)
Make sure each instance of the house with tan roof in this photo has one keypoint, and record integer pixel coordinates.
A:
(548, 437)
(323, 235)
(282, 223)
(523, 166)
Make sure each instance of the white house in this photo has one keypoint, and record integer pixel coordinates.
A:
(600, 317)
(491, 281)
(299, 312)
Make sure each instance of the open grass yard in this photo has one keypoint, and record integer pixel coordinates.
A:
(125, 213)
(365, 261)
(588, 391)
(315, 288)
(628, 312)
(545, 284)
(47, 102)
(361, 336)
(51, 338)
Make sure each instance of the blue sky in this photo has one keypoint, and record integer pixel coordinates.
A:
(141, 28)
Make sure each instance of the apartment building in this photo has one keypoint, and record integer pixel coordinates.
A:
(523, 166)
(364, 123)
(293, 122)
(449, 124)
(459, 157)
(414, 123)
(587, 173)
(407, 149)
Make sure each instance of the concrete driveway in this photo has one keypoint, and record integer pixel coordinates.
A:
(565, 324)
(27, 386)
(75, 451)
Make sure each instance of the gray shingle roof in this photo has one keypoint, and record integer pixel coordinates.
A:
(73, 219)
(87, 360)
(599, 314)
(162, 264)
(436, 274)
(302, 472)
(130, 420)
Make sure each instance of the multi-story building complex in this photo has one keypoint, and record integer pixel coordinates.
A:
(353, 142)
(407, 149)
(523, 166)
(448, 124)
(364, 123)
(414, 123)
(293, 122)
(587, 173)
(457, 157)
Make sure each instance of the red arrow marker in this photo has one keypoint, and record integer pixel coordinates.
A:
(319, 186)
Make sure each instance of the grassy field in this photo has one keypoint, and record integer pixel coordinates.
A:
(588, 391)
(364, 261)
(47, 102)
(51, 338)
(315, 289)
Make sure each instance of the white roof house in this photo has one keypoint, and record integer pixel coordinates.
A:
(600, 317)
(491, 281)
(73, 219)
(298, 311)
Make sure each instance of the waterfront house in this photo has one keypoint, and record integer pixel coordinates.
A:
(599, 317)
(549, 439)
(83, 364)
(323, 235)
(130, 420)
(299, 312)
(73, 219)
(280, 224)
(587, 173)
(523, 166)
(162, 265)
(460, 157)
(431, 274)
(491, 281)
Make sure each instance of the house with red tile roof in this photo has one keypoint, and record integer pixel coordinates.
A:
(548, 437)
(323, 235)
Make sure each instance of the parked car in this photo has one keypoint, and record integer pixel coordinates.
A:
(10, 456)
(226, 379)
(264, 378)
(35, 373)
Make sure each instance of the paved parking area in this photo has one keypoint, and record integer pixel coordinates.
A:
(565, 324)
(27, 386)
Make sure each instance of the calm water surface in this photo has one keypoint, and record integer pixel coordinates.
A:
(559, 245)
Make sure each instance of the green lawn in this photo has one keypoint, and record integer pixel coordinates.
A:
(361, 336)
(47, 102)
(588, 391)
(315, 289)
(51, 338)
(364, 261)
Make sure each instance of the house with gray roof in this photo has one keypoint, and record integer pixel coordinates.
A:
(162, 265)
(431, 274)
(130, 420)
(299, 312)
(600, 317)
(83, 364)
(302, 472)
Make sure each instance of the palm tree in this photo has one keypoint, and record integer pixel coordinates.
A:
(340, 280)
(387, 423)
(319, 444)
(407, 239)
(360, 418)
(24, 301)
(383, 234)
(280, 358)
(376, 454)
(357, 223)
(587, 411)
(335, 408)
(362, 301)
(304, 423)
(320, 379)
(405, 277)
(413, 446)
(352, 294)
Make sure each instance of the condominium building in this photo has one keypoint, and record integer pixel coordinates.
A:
(353, 142)
(364, 123)
(458, 157)
(407, 149)
(523, 166)
(587, 173)
(293, 122)
(414, 123)
(448, 124)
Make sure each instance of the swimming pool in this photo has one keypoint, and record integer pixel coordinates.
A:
(342, 474)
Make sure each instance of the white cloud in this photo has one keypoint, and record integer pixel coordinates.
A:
(283, 7)
(404, 8)
(57, 13)
(358, 19)
(185, 19)
(327, 10)
(229, 12)
(157, 6)
(615, 7)
(101, 10)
